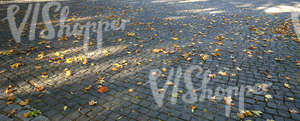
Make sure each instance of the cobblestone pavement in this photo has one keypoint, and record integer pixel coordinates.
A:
(239, 41)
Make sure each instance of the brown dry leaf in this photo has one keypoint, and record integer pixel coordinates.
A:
(169, 83)
(10, 99)
(156, 50)
(217, 54)
(114, 69)
(267, 74)
(160, 90)
(102, 89)
(164, 69)
(26, 115)
(9, 89)
(204, 56)
(252, 47)
(41, 56)
(87, 88)
(39, 88)
(12, 112)
(194, 108)
(241, 115)
(16, 65)
(2, 71)
(220, 37)
(212, 76)
(279, 59)
(287, 77)
(101, 80)
(92, 102)
(24, 103)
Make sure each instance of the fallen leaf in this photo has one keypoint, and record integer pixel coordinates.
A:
(194, 108)
(222, 73)
(248, 113)
(286, 85)
(37, 67)
(114, 69)
(264, 87)
(65, 108)
(267, 74)
(252, 47)
(10, 99)
(164, 69)
(130, 34)
(213, 99)
(9, 89)
(87, 88)
(39, 88)
(68, 73)
(16, 65)
(238, 69)
(241, 115)
(69, 60)
(156, 50)
(291, 99)
(44, 75)
(26, 115)
(92, 102)
(103, 89)
(256, 112)
(267, 97)
(228, 100)
(212, 76)
(12, 112)
(293, 111)
(169, 83)
(175, 38)
(24, 103)
(85, 61)
(130, 90)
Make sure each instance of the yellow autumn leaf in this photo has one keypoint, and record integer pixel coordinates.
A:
(68, 73)
(175, 38)
(69, 60)
(130, 34)
(85, 61)
(24, 103)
